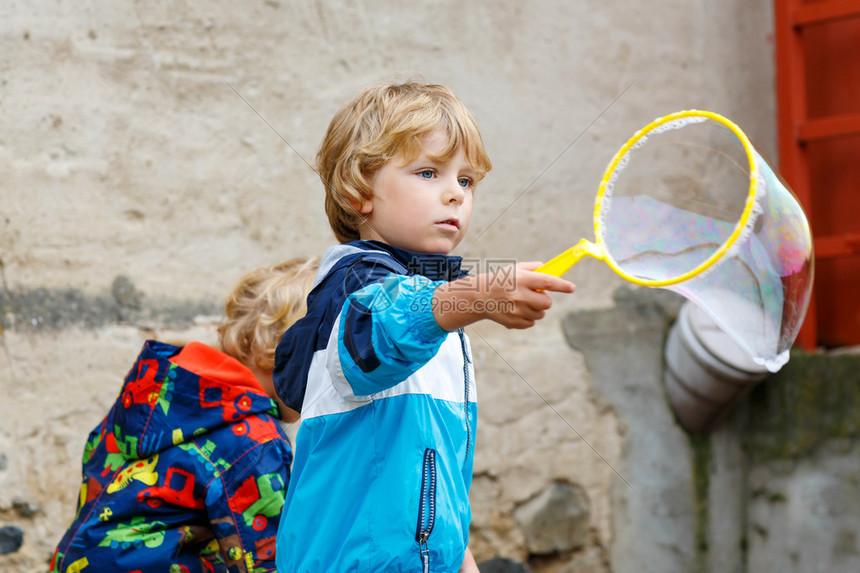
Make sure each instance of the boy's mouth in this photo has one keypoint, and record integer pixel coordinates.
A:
(450, 223)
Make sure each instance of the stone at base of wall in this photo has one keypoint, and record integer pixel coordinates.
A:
(501, 565)
(11, 539)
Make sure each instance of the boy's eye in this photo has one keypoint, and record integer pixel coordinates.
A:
(426, 173)
(465, 182)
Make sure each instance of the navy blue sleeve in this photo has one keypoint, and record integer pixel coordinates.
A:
(387, 331)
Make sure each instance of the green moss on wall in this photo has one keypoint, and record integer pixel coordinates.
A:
(813, 399)
(702, 455)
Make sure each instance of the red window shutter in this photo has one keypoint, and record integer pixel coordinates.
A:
(818, 121)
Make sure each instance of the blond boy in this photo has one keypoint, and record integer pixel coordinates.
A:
(380, 368)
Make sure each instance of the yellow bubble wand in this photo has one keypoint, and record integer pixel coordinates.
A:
(689, 204)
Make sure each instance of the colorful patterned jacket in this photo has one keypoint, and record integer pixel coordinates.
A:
(187, 472)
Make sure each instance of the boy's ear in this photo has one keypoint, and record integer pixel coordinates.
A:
(363, 207)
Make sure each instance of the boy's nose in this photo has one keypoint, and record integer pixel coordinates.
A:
(454, 193)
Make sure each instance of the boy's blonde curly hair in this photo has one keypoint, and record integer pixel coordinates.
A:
(381, 122)
(261, 307)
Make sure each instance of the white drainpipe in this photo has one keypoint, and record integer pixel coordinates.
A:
(706, 372)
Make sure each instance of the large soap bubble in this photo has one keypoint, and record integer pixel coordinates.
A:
(688, 204)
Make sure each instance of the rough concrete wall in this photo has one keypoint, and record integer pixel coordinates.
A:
(802, 441)
(775, 488)
(653, 494)
(152, 153)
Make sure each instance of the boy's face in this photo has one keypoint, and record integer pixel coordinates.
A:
(423, 206)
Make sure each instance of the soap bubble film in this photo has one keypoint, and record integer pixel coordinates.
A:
(685, 199)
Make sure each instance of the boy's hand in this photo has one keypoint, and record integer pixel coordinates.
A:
(469, 565)
(525, 300)
(517, 301)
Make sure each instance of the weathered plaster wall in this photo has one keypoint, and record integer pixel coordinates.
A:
(151, 153)
(803, 445)
(774, 488)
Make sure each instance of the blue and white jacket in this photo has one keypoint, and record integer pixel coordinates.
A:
(384, 455)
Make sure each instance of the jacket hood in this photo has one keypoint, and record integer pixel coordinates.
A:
(433, 266)
(162, 404)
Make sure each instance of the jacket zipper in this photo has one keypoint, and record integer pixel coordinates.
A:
(426, 507)
(466, 361)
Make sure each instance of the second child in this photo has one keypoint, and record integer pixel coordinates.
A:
(188, 469)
